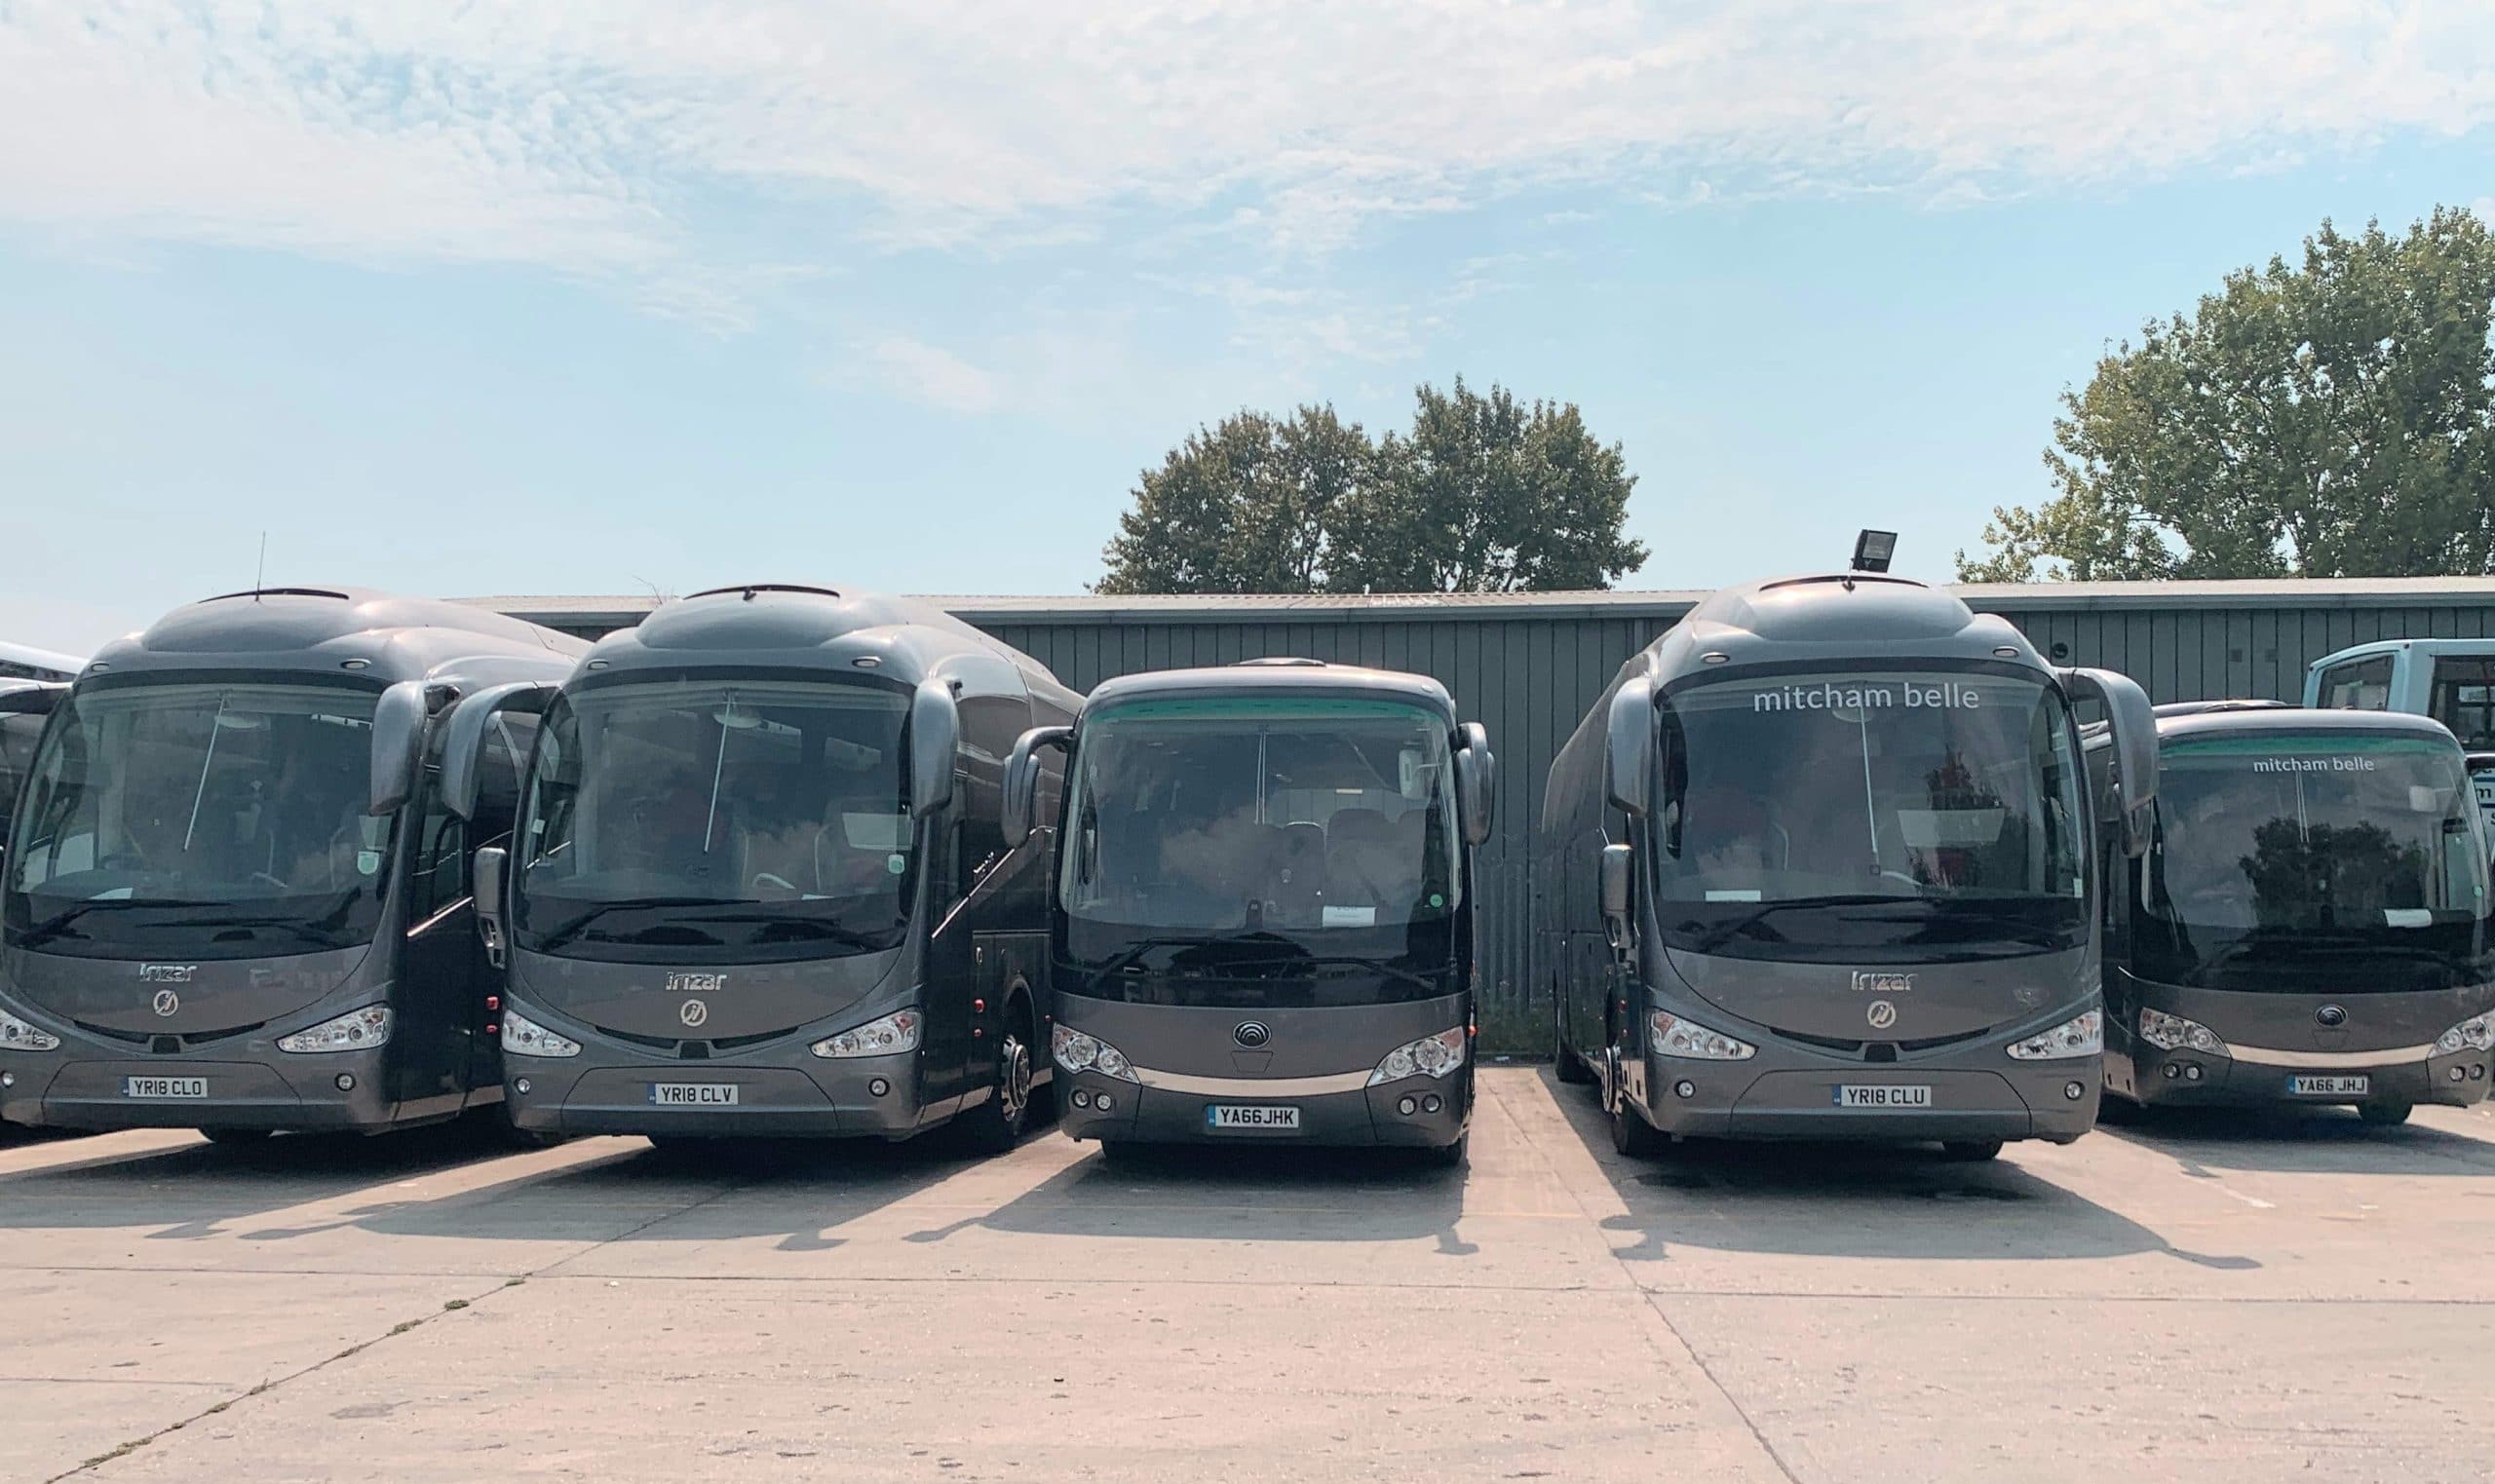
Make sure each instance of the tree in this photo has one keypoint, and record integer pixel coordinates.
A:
(2335, 419)
(1242, 507)
(1485, 494)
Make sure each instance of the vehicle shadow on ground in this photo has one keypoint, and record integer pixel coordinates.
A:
(1211, 1193)
(200, 1190)
(2309, 1141)
(1810, 1200)
(800, 1191)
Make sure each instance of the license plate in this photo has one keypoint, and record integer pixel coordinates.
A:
(164, 1087)
(1882, 1096)
(2329, 1086)
(694, 1094)
(1251, 1115)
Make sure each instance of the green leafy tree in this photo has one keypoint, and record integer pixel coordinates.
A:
(2333, 419)
(1485, 494)
(1241, 506)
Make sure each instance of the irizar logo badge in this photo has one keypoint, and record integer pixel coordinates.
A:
(1872, 982)
(685, 981)
(166, 1001)
(167, 973)
(1882, 1014)
(694, 1012)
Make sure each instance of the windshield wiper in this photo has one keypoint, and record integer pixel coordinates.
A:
(1344, 961)
(569, 931)
(1133, 953)
(808, 926)
(1725, 932)
(58, 925)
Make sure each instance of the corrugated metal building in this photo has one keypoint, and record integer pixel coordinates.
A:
(1526, 665)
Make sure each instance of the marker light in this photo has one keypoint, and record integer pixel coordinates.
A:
(1429, 1056)
(2082, 1035)
(1692, 1041)
(1078, 1052)
(2474, 1034)
(17, 1036)
(355, 1031)
(888, 1036)
(1872, 550)
(524, 1037)
(2173, 1033)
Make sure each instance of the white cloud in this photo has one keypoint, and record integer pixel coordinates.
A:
(933, 375)
(611, 140)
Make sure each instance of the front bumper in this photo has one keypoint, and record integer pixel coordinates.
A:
(67, 1089)
(1361, 1116)
(796, 1094)
(1786, 1101)
(2199, 1080)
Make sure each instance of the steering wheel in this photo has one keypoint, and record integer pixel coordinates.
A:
(1901, 876)
(271, 880)
(763, 879)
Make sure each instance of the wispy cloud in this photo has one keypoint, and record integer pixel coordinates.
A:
(932, 376)
(607, 139)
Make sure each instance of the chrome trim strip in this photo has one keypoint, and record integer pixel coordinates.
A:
(1252, 1086)
(2273, 1057)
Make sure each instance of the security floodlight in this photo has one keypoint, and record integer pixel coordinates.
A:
(1872, 550)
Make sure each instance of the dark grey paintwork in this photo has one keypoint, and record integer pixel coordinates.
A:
(2275, 1035)
(228, 1015)
(1315, 1060)
(1807, 1020)
(971, 966)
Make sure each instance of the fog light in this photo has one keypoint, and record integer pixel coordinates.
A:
(2192, 1073)
(878, 1086)
(2173, 1071)
(1431, 1103)
(346, 1081)
(1684, 1088)
(1404, 1106)
(2458, 1075)
(522, 1087)
(1101, 1102)
(8, 1078)
(2476, 1071)
(2074, 1090)
(1081, 1099)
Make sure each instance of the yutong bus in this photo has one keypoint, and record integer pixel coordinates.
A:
(1818, 864)
(1264, 923)
(231, 898)
(760, 885)
(2311, 924)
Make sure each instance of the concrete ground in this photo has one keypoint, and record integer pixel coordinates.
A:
(2208, 1298)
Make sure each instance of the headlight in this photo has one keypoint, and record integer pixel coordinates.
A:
(894, 1033)
(2082, 1035)
(355, 1031)
(2474, 1034)
(17, 1036)
(1692, 1041)
(523, 1036)
(1429, 1056)
(2173, 1033)
(1078, 1052)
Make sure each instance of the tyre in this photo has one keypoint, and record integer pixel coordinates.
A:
(1565, 1064)
(1971, 1151)
(237, 1135)
(2384, 1115)
(1630, 1133)
(1446, 1155)
(996, 1126)
(502, 1130)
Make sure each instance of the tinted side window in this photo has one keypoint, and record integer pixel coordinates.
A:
(2359, 685)
(440, 878)
(2464, 700)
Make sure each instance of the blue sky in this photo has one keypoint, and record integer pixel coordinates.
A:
(560, 298)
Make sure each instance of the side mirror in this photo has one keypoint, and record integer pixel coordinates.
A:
(2134, 724)
(1617, 865)
(1476, 782)
(1629, 757)
(32, 699)
(1022, 782)
(398, 747)
(485, 879)
(463, 739)
(935, 745)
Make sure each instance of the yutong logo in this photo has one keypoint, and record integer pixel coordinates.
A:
(1250, 1034)
(167, 973)
(2332, 1015)
(687, 982)
(1872, 983)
